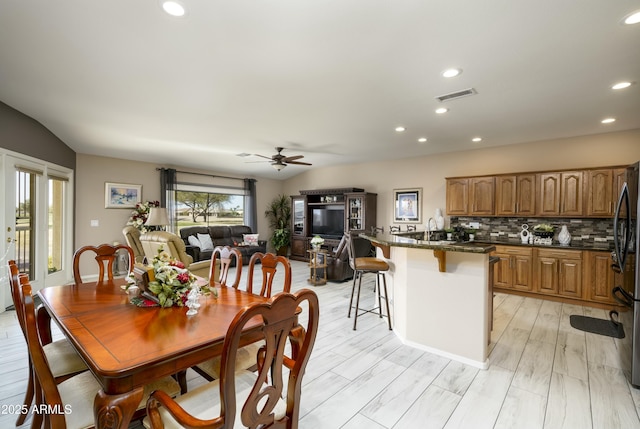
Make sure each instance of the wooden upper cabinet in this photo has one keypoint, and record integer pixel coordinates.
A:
(526, 194)
(548, 201)
(516, 195)
(571, 192)
(481, 196)
(506, 195)
(619, 177)
(600, 193)
(458, 197)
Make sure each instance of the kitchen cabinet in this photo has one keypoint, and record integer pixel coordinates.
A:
(559, 272)
(560, 194)
(619, 177)
(473, 196)
(515, 195)
(599, 277)
(599, 193)
(514, 269)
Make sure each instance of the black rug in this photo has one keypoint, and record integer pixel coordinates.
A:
(597, 326)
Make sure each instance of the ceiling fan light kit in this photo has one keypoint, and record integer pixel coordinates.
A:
(280, 161)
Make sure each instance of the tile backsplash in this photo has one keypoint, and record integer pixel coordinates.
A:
(590, 231)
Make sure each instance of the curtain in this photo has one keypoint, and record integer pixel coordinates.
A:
(168, 194)
(250, 209)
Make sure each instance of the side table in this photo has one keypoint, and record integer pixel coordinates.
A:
(317, 267)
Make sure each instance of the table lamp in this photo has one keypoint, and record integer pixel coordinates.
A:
(157, 218)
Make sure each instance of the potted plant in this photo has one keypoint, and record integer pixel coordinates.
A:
(278, 214)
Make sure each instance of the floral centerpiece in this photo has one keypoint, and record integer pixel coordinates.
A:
(316, 242)
(141, 213)
(171, 283)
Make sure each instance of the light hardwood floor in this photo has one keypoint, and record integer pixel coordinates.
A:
(542, 374)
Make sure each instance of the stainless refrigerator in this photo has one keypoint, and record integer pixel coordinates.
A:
(625, 227)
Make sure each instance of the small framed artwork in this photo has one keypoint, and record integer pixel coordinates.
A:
(121, 195)
(407, 205)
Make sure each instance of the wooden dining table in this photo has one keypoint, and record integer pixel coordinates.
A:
(126, 346)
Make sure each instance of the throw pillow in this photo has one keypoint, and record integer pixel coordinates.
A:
(205, 242)
(250, 239)
(193, 240)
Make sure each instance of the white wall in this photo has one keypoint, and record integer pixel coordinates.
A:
(429, 172)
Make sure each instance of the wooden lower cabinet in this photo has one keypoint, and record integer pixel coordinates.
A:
(559, 272)
(299, 246)
(600, 279)
(514, 270)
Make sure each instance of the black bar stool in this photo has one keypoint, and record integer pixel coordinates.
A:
(361, 262)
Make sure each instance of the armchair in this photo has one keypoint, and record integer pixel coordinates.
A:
(174, 246)
(132, 237)
(338, 269)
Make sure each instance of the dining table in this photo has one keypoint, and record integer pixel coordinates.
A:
(126, 346)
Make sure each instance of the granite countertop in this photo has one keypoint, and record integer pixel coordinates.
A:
(395, 240)
(574, 245)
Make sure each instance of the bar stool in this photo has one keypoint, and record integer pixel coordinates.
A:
(362, 263)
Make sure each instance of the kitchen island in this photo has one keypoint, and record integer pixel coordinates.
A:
(441, 295)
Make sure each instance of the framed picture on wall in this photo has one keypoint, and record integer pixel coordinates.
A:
(407, 205)
(121, 195)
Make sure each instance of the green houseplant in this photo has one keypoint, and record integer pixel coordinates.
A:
(278, 214)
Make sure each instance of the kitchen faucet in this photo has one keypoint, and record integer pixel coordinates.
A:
(429, 229)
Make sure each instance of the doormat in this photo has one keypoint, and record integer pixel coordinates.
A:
(597, 326)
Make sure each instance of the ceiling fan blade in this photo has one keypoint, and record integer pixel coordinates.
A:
(298, 163)
(262, 156)
(293, 158)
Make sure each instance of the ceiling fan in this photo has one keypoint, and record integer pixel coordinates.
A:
(280, 161)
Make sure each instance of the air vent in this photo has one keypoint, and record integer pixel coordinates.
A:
(457, 94)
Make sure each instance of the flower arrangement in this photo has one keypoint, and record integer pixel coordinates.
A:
(317, 241)
(141, 213)
(172, 282)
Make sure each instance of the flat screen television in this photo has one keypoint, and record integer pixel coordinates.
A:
(328, 221)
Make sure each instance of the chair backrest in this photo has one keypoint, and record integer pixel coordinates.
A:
(132, 237)
(171, 243)
(394, 228)
(411, 228)
(225, 255)
(45, 378)
(267, 404)
(376, 229)
(103, 253)
(269, 263)
(358, 248)
(14, 284)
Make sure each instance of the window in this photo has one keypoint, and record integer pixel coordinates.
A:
(207, 209)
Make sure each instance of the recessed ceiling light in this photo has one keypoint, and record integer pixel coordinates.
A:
(422, 139)
(451, 72)
(621, 85)
(608, 120)
(632, 18)
(476, 139)
(400, 129)
(442, 110)
(173, 8)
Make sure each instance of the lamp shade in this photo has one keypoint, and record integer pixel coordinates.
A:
(157, 217)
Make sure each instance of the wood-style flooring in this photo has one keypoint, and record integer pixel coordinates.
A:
(543, 373)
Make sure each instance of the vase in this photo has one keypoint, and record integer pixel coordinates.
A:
(563, 236)
(439, 220)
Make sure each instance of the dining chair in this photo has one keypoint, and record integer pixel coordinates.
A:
(62, 357)
(377, 229)
(224, 256)
(247, 355)
(361, 263)
(267, 398)
(69, 404)
(104, 253)
(394, 228)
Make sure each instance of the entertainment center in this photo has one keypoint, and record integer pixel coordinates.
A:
(329, 213)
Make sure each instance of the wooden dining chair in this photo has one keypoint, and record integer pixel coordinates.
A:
(247, 355)
(69, 404)
(62, 357)
(225, 255)
(104, 253)
(267, 398)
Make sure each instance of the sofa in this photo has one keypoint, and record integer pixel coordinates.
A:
(221, 235)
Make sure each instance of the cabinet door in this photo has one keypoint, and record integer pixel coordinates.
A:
(600, 193)
(570, 278)
(619, 177)
(548, 201)
(355, 213)
(571, 192)
(547, 275)
(481, 196)
(299, 248)
(506, 195)
(502, 273)
(522, 272)
(526, 195)
(298, 211)
(599, 277)
(457, 197)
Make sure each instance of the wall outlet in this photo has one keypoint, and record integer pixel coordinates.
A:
(95, 222)
(474, 225)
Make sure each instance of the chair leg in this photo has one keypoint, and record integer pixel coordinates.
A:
(28, 397)
(355, 318)
(377, 286)
(353, 288)
(386, 298)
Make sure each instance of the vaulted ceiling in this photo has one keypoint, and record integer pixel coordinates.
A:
(327, 79)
